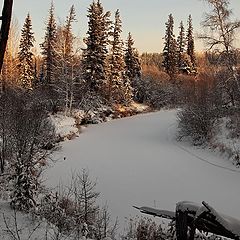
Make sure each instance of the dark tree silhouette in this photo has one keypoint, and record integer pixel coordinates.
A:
(170, 49)
(6, 20)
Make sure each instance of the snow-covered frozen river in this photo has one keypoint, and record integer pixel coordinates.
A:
(137, 161)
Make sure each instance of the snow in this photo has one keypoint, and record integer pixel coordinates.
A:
(18, 225)
(64, 125)
(225, 142)
(139, 107)
(189, 207)
(137, 161)
(24, 224)
(157, 212)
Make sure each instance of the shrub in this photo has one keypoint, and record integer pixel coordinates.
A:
(27, 131)
(197, 118)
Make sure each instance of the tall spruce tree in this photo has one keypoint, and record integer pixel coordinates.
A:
(133, 67)
(181, 44)
(94, 67)
(170, 49)
(116, 64)
(184, 63)
(25, 55)
(190, 44)
(48, 47)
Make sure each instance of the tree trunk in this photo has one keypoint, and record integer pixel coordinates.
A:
(6, 20)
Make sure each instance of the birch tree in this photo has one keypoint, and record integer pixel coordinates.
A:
(221, 33)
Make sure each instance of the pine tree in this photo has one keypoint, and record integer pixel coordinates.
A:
(181, 43)
(190, 44)
(169, 51)
(133, 68)
(48, 47)
(95, 55)
(67, 33)
(116, 63)
(25, 55)
(184, 63)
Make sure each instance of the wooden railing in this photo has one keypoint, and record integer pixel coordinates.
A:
(190, 217)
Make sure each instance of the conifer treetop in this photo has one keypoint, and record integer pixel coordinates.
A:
(25, 55)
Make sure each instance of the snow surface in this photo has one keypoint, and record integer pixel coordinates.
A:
(24, 224)
(137, 161)
(224, 142)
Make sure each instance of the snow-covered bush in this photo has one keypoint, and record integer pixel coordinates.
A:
(196, 122)
(198, 116)
(152, 88)
(27, 141)
(66, 126)
(156, 89)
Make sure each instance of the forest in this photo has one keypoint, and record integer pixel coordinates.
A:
(99, 78)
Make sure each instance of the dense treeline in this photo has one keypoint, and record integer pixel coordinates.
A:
(101, 72)
(67, 75)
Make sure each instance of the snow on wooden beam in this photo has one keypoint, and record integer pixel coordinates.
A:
(157, 212)
(194, 216)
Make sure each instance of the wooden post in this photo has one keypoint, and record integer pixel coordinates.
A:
(181, 225)
(192, 233)
(6, 20)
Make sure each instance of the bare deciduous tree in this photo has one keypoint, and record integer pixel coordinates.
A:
(27, 142)
(220, 25)
(9, 70)
(220, 35)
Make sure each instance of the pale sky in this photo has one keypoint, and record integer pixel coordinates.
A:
(145, 19)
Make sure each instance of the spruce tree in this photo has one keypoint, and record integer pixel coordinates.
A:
(25, 55)
(133, 67)
(190, 44)
(48, 47)
(183, 59)
(181, 44)
(170, 49)
(116, 63)
(94, 68)
(68, 34)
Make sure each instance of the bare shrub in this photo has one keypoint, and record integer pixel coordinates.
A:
(197, 118)
(27, 134)
(74, 209)
(148, 229)
(153, 88)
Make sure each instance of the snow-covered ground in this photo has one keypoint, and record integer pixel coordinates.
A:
(64, 125)
(137, 161)
(16, 225)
